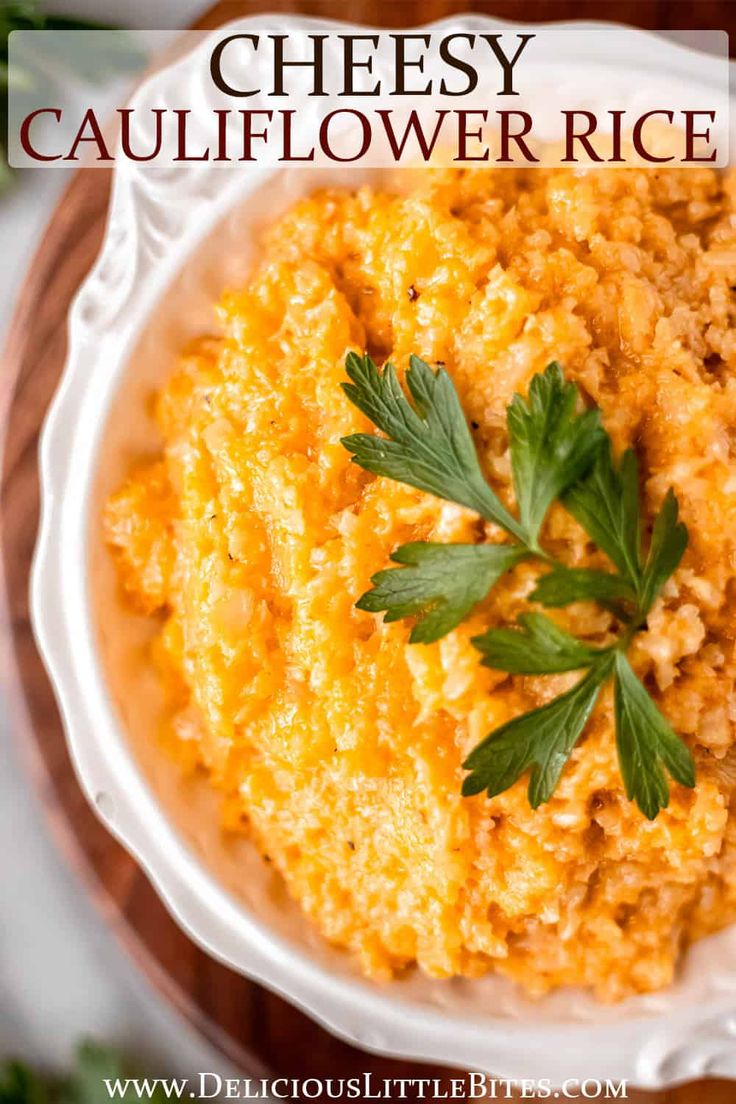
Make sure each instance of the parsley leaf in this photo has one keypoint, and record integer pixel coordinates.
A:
(669, 541)
(564, 585)
(427, 445)
(606, 503)
(646, 744)
(440, 582)
(551, 446)
(537, 647)
(542, 740)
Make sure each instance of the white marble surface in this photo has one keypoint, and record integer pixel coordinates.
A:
(62, 976)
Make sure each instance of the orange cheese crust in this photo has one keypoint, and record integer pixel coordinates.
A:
(334, 742)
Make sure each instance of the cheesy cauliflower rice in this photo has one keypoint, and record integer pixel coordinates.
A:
(335, 743)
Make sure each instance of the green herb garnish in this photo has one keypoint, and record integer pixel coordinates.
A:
(427, 445)
(646, 744)
(551, 445)
(542, 739)
(442, 584)
(537, 647)
(559, 452)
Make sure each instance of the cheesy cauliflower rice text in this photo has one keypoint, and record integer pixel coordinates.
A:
(335, 743)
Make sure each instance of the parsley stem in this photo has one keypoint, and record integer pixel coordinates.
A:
(632, 628)
(537, 551)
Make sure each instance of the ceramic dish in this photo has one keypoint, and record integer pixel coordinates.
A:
(174, 239)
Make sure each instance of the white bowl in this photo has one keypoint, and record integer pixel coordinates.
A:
(174, 238)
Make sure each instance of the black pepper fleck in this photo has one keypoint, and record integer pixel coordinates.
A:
(412, 293)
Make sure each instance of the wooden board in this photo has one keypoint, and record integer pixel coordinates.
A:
(256, 1030)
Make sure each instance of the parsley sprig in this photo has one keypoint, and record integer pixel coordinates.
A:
(559, 452)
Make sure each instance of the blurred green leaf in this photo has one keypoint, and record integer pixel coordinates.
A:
(118, 55)
(19, 1085)
(94, 1064)
(85, 1085)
